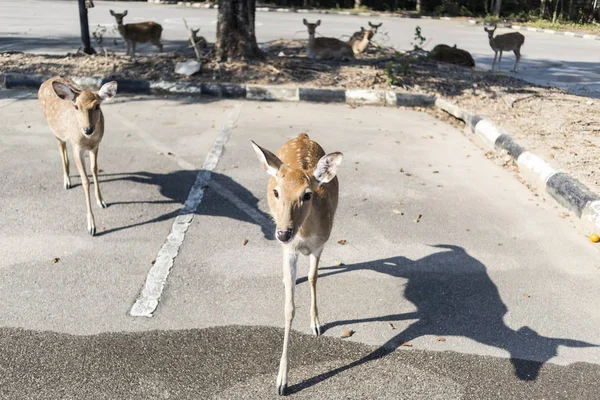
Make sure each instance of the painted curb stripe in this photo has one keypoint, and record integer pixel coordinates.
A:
(534, 163)
(507, 143)
(148, 299)
(570, 193)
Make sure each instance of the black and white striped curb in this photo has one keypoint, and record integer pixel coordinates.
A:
(382, 14)
(567, 191)
(241, 91)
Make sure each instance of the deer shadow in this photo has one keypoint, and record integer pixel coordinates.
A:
(175, 187)
(454, 296)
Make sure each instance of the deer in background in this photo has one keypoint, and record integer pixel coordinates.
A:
(506, 42)
(323, 48)
(360, 40)
(302, 194)
(74, 115)
(141, 32)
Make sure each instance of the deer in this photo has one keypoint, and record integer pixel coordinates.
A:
(199, 40)
(360, 40)
(324, 48)
(75, 116)
(141, 32)
(302, 195)
(506, 42)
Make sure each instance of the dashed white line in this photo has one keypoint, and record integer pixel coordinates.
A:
(148, 299)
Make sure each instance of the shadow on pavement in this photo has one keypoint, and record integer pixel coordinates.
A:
(454, 296)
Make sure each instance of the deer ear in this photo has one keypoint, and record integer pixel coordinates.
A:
(327, 167)
(112, 13)
(108, 91)
(318, 22)
(64, 92)
(125, 13)
(269, 161)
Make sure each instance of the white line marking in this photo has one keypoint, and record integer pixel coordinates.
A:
(16, 98)
(147, 301)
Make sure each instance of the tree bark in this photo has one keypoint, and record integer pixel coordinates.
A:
(357, 3)
(497, 8)
(419, 6)
(236, 37)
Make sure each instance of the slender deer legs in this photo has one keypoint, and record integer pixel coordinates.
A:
(94, 166)
(62, 148)
(312, 278)
(290, 259)
(85, 182)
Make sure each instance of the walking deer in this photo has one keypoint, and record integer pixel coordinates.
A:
(507, 42)
(74, 115)
(141, 32)
(302, 194)
(323, 48)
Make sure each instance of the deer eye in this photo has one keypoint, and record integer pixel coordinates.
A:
(97, 107)
(77, 108)
(307, 196)
(276, 193)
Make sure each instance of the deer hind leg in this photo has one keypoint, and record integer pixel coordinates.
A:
(313, 274)
(494, 63)
(500, 59)
(94, 165)
(290, 259)
(62, 148)
(517, 52)
(85, 182)
(158, 44)
(128, 49)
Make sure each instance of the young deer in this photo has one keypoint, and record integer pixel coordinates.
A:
(507, 42)
(141, 32)
(74, 115)
(323, 48)
(302, 194)
(360, 40)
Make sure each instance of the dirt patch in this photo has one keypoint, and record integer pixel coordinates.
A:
(562, 128)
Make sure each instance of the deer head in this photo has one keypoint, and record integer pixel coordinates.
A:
(293, 192)
(119, 17)
(367, 33)
(490, 32)
(86, 103)
(375, 27)
(311, 27)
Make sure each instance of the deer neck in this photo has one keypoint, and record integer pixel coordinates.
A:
(362, 45)
(311, 40)
(121, 29)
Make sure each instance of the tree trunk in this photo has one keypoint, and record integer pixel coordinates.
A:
(419, 6)
(497, 8)
(543, 9)
(554, 15)
(236, 37)
(357, 3)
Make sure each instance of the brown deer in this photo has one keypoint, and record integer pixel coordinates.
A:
(302, 195)
(360, 40)
(141, 32)
(324, 48)
(74, 115)
(507, 42)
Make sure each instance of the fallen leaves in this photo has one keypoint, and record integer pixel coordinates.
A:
(406, 344)
(347, 334)
(55, 260)
(397, 211)
(391, 326)
(338, 263)
(244, 242)
(441, 339)
(417, 219)
(342, 242)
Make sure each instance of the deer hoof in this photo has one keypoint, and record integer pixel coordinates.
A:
(281, 389)
(316, 329)
(67, 185)
(92, 230)
(101, 204)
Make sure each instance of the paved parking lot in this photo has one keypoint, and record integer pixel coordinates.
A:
(490, 293)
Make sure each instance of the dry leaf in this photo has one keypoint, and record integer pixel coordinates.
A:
(436, 172)
(152, 262)
(400, 202)
(55, 260)
(234, 166)
(338, 263)
(526, 296)
(347, 333)
(170, 154)
(244, 242)
(364, 199)
(441, 339)
(397, 211)
(342, 242)
(391, 326)
(499, 244)
(401, 169)
(418, 218)
(406, 344)
(407, 174)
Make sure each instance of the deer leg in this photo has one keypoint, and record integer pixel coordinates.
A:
(62, 147)
(312, 278)
(133, 49)
(500, 59)
(85, 182)
(128, 44)
(494, 63)
(158, 44)
(518, 56)
(290, 259)
(94, 165)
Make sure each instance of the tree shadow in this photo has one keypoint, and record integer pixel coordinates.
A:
(454, 296)
(175, 187)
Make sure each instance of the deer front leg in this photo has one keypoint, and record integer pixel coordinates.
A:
(62, 147)
(290, 259)
(94, 165)
(128, 44)
(313, 274)
(500, 58)
(85, 182)
(494, 63)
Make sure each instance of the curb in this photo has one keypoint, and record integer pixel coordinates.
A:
(375, 14)
(566, 190)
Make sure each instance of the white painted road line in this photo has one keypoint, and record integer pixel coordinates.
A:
(16, 98)
(148, 299)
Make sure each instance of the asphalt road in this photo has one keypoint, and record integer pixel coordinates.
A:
(490, 295)
(53, 26)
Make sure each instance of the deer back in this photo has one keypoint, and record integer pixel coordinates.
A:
(332, 48)
(507, 41)
(141, 32)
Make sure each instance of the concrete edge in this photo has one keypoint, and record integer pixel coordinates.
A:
(566, 190)
(375, 14)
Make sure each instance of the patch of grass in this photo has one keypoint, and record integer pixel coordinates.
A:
(593, 29)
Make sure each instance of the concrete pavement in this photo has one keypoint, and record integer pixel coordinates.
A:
(495, 294)
(51, 26)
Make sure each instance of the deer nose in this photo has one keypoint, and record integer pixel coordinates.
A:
(284, 236)
(88, 131)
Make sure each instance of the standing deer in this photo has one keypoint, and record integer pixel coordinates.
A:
(302, 194)
(507, 42)
(323, 48)
(141, 32)
(74, 115)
